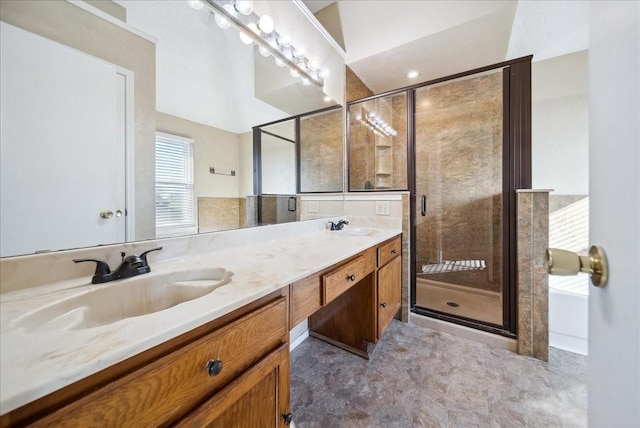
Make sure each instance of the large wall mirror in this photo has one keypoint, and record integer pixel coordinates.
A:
(113, 111)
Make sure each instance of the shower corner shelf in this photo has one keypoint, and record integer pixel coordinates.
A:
(383, 174)
(383, 146)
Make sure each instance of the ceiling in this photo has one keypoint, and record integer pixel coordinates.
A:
(384, 40)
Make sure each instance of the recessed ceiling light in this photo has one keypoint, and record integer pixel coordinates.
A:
(413, 74)
(327, 99)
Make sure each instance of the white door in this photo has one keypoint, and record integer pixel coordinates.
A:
(62, 142)
(614, 188)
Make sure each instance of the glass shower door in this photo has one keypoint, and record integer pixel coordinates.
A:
(459, 192)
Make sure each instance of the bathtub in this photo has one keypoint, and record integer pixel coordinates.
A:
(568, 317)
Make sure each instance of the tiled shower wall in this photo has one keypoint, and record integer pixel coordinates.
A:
(321, 152)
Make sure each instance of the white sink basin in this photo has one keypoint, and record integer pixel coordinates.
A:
(105, 304)
(355, 231)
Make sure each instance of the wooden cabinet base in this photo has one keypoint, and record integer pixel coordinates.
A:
(349, 320)
(355, 315)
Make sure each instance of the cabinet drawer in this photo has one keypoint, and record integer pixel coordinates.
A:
(342, 279)
(258, 398)
(388, 251)
(166, 389)
(305, 298)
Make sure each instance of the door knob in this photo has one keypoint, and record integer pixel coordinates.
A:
(106, 214)
(563, 262)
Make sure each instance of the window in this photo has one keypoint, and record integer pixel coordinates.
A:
(174, 184)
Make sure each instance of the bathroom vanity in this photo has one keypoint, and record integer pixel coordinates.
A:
(219, 360)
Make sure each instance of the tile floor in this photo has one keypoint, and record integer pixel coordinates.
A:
(421, 377)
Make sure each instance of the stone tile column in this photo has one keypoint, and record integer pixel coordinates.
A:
(532, 277)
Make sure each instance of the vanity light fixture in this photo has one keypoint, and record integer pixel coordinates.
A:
(376, 124)
(260, 30)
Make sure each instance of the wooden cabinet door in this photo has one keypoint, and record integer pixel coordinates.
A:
(389, 278)
(258, 398)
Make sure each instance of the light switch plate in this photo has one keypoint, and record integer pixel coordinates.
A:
(383, 208)
(313, 206)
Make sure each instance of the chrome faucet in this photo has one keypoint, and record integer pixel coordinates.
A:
(131, 266)
(339, 225)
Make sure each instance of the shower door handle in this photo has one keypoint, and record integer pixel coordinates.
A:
(423, 206)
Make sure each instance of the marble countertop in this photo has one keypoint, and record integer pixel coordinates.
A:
(36, 364)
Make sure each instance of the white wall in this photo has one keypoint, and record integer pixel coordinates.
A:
(560, 124)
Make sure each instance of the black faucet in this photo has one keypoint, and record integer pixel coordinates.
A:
(131, 266)
(339, 225)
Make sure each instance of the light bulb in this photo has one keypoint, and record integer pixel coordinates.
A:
(253, 27)
(313, 63)
(266, 24)
(288, 54)
(245, 7)
(284, 40)
(221, 21)
(300, 51)
(195, 4)
(263, 51)
(328, 99)
(279, 62)
(305, 81)
(272, 41)
(245, 39)
(294, 73)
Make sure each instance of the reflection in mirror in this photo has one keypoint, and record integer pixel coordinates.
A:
(302, 154)
(378, 143)
(278, 202)
(278, 158)
(141, 67)
(321, 153)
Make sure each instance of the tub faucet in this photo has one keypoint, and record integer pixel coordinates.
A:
(131, 266)
(339, 225)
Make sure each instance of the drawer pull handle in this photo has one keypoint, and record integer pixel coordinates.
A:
(394, 251)
(383, 305)
(351, 277)
(214, 367)
(287, 418)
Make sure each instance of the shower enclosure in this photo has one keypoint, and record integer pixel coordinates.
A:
(459, 227)
(472, 150)
(467, 145)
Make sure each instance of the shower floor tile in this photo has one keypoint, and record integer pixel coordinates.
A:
(475, 304)
(421, 377)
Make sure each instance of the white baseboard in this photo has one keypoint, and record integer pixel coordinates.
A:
(298, 340)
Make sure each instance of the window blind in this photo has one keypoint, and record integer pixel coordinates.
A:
(174, 182)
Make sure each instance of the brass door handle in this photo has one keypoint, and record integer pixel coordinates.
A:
(106, 214)
(563, 262)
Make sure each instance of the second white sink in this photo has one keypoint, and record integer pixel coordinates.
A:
(114, 301)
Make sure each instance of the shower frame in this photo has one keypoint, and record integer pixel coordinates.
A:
(516, 174)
